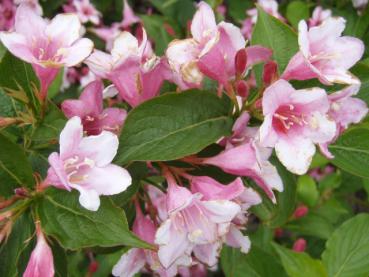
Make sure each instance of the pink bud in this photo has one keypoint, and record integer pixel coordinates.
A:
(270, 73)
(301, 211)
(169, 29)
(22, 192)
(41, 262)
(242, 88)
(299, 245)
(6, 121)
(241, 61)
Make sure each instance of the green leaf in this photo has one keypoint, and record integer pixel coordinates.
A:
(74, 227)
(300, 264)
(237, 9)
(15, 170)
(50, 127)
(312, 224)
(351, 151)
(15, 252)
(19, 77)
(347, 251)
(236, 264)
(275, 215)
(55, 86)
(173, 126)
(296, 11)
(274, 34)
(307, 190)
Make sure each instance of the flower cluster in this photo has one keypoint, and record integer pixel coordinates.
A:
(189, 217)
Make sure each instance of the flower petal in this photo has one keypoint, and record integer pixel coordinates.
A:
(64, 28)
(76, 53)
(70, 137)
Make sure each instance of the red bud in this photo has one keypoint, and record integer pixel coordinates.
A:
(241, 61)
(301, 211)
(93, 267)
(278, 232)
(299, 245)
(242, 88)
(270, 73)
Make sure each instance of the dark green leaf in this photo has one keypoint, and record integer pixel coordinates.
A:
(274, 34)
(296, 11)
(15, 252)
(15, 170)
(307, 191)
(347, 251)
(173, 126)
(351, 151)
(236, 264)
(19, 77)
(74, 227)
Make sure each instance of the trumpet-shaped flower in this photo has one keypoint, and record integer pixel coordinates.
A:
(89, 108)
(325, 54)
(191, 222)
(132, 67)
(48, 46)
(136, 259)
(210, 51)
(84, 163)
(294, 120)
(41, 262)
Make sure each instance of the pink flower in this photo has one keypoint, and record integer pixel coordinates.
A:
(293, 121)
(7, 15)
(211, 51)
(89, 108)
(41, 262)
(132, 67)
(192, 223)
(86, 11)
(344, 110)
(239, 194)
(325, 54)
(269, 6)
(319, 15)
(47, 46)
(136, 259)
(84, 163)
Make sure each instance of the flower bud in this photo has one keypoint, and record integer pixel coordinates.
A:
(242, 88)
(299, 245)
(278, 233)
(270, 73)
(241, 61)
(6, 121)
(301, 211)
(93, 267)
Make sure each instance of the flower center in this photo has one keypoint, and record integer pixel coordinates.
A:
(76, 169)
(287, 117)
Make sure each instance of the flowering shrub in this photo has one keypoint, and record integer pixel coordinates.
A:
(176, 138)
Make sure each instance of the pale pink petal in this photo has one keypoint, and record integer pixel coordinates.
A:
(267, 134)
(18, 46)
(88, 198)
(296, 155)
(208, 253)
(108, 180)
(29, 23)
(101, 148)
(92, 97)
(275, 95)
(130, 263)
(203, 23)
(56, 175)
(112, 119)
(100, 63)
(64, 28)
(70, 137)
(221, 211)
(76, 53)
(321, 129)
(129, 17)
(71, 107)
(124, 46)
(236, 239)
